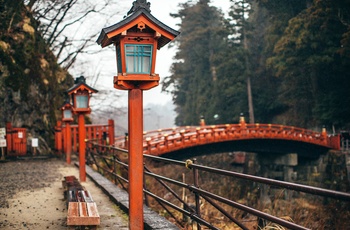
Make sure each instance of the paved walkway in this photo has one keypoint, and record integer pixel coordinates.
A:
(31, 197)
(152, 220)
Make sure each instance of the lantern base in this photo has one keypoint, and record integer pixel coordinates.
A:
(81, 110)
(143, 82)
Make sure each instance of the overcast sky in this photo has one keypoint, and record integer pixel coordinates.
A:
(104, 64)
(161, 10)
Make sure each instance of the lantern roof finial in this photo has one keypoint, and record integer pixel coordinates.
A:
(80, 83)
(80, 79)
(138, 4)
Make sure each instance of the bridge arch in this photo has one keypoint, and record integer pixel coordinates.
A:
(189, 141)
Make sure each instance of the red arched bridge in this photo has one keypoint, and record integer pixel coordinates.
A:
(181, 142)
(189, 141)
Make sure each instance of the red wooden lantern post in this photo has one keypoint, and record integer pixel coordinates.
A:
(136, 38)
(67, 117)
(81, 94)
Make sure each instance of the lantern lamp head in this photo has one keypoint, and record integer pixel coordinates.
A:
(67, 112)
(137, 38)
(81, 94)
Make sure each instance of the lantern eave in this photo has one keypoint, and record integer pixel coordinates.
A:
(109, 34)
(81, 86)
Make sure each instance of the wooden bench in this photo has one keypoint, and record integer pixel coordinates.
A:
(82, 210)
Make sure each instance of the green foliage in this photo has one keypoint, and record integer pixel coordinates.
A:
(32, 84)
(296, 54)
(306, 57)
(193, 75)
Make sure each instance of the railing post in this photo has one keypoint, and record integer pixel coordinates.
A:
(197, 199)
(64, 138)
(166, 142)
(114, 167)
(145, 187)
(69, 143)
(58, 139)
(202, 121)
(111, 131)
(126, 141)
(75, 135)
(82, 145)
(182, 134)
(135, 125)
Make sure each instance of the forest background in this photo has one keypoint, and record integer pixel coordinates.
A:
(275, 61)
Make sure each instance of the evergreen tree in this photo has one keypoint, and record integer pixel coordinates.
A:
(308, 59)
(194, 72)
(241, 26)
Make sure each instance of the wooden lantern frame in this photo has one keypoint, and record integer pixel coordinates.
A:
(139, 28)
(81, 88)
(67, 107)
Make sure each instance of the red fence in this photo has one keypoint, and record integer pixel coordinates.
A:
(16, 139)
(105, 132)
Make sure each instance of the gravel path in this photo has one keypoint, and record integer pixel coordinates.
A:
(31, 196)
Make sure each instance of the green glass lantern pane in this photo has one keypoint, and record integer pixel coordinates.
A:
(67, 114)
(138, 58)
(82, 101)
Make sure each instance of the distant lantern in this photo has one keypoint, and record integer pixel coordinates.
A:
(137, 38)
(81, 94)
(67, 112)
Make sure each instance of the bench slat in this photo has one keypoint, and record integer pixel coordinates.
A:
(92, 209)
(73, 209)
(83, 210)
(81, 213)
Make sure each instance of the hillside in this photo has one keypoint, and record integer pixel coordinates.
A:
(32, 84)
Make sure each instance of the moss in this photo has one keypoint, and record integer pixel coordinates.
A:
(28, 65)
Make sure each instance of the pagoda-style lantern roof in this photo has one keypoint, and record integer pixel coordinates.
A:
(139, 14)
(79, 84)
(137, 38)
(81, 93)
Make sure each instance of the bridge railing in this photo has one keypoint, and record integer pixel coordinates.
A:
(112, 163)
(164, 140)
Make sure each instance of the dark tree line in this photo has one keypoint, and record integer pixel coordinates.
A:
(275, 61)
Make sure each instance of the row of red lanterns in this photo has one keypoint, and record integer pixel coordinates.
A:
(136, 38)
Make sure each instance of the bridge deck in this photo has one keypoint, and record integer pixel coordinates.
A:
(166, 141)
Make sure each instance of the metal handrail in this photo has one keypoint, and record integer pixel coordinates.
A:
(210, 197)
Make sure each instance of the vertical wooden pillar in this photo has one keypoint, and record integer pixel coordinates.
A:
(64, 135)
(59, 137)
(69, 143)
(135, 159)
(111, 131)
(75, 135)
(82, 135)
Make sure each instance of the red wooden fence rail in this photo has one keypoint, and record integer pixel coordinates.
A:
(92, 132)
(16, 139)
